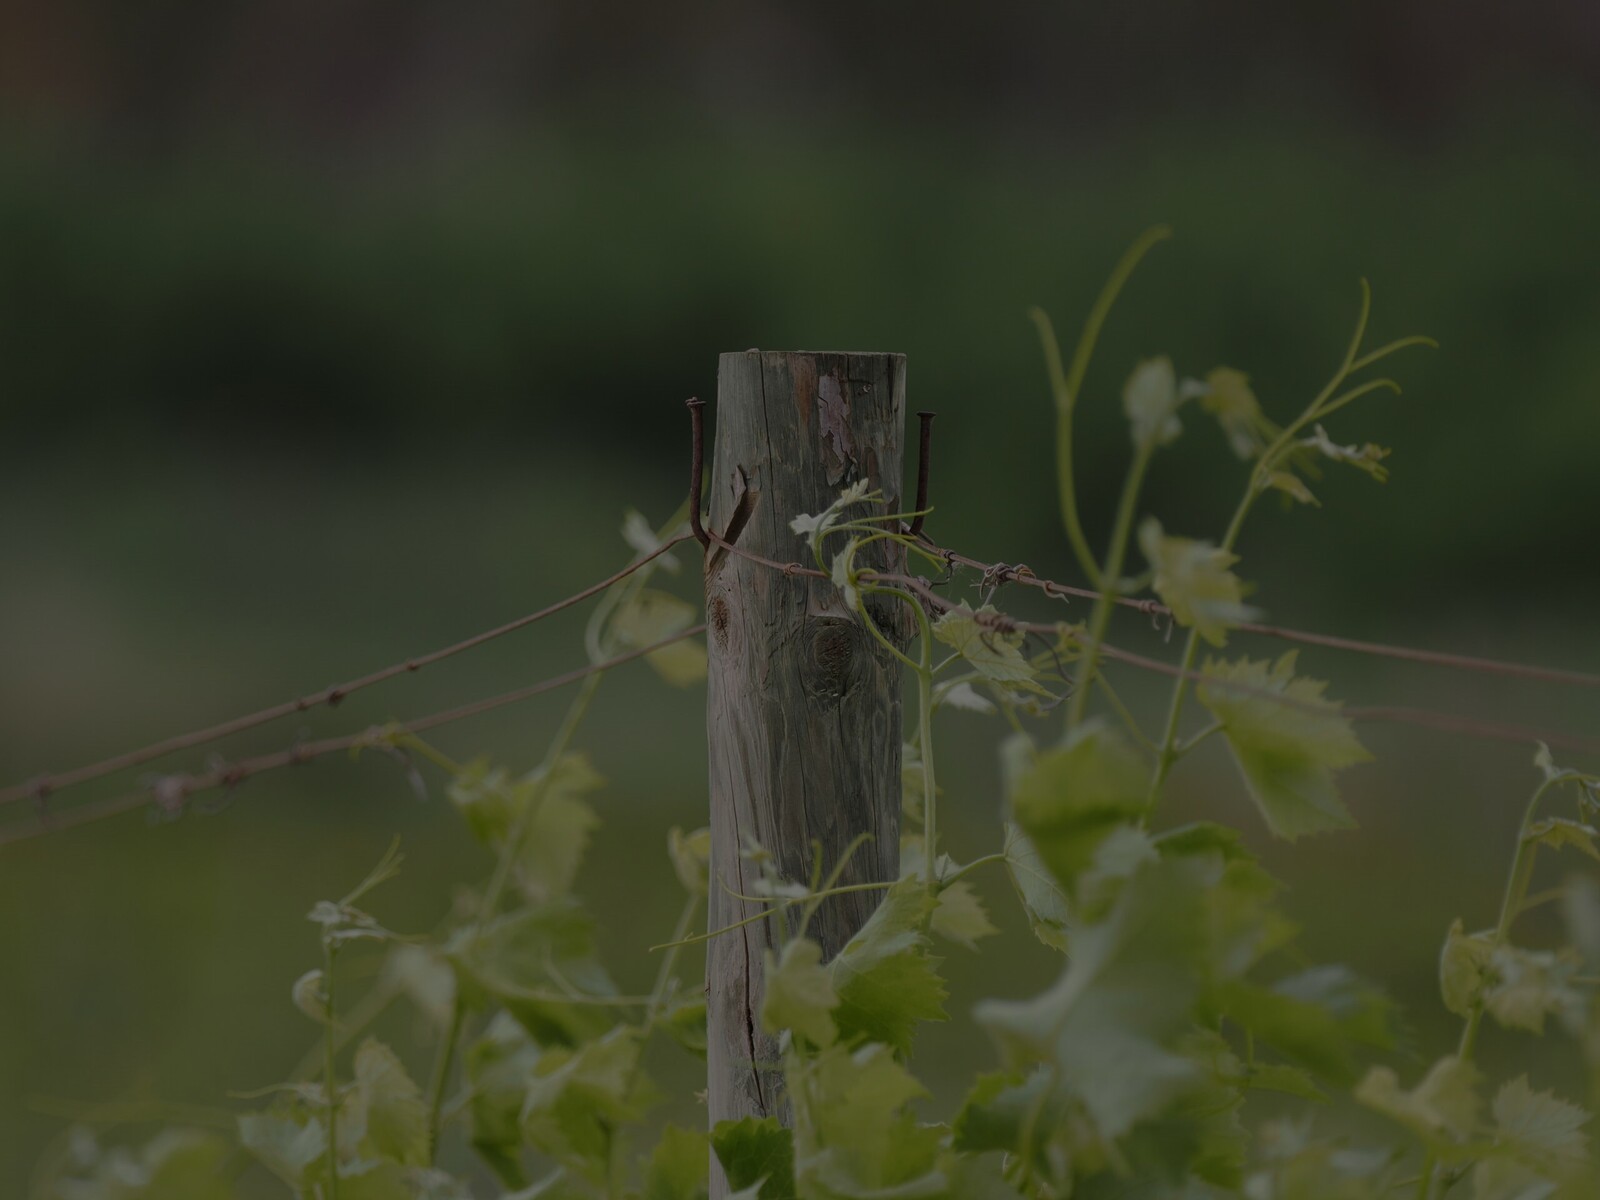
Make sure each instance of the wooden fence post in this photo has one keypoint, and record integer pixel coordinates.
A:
(803, 718)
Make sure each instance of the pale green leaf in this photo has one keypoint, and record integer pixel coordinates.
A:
(679, 1167)
(652, 616)
(1287, 739)
(960, 915)
(310, 997)
(992, 651)
(1442, 1108)
(1527, 985)
(799, 993)
(1292, 486)
(424, 975)
(1540, 1129)
(641, 536)
(1150, 399)
(691, 858)
(1557, 832)
(1464, 968)
(285, 1146)
(384, 1115)
(1228, 397)
(1507, 1179)
(1193, 579)
(1368, 458)
(843, 575)
(813, 527)
(557, 834)
(963, 696)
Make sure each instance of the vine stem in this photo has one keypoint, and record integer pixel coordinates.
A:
(1510, 906)
(441, 1075)
(1168, 751)
(664, 975)
(1067, 384)
(329, 1081)
(524, 823)
(1111, 580)
(777, 906)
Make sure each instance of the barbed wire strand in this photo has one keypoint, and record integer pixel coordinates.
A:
(1462, 662)
(174, 791)
(41, 787)
(1422, 718)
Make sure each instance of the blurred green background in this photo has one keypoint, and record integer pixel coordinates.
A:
(329, 334)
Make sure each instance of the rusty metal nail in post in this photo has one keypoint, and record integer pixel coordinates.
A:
(922, 472)
(696, 466)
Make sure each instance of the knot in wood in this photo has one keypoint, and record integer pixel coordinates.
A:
(833, 648)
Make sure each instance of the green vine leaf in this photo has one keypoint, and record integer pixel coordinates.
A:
(853, 1133)
(539, 962)
(498, 1066)
(556, 837)
(886, 980)
(576, 1097)
(1286, 749)
(1315, 1018)
(757, 1153)
(997, 1110)
(1109, 1027)
(1071, 798)
(1229, 398)
(1193, 580)
(799, 993)
(1041, 896)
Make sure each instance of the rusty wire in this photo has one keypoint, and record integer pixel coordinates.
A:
(41, 787)
(171, 793)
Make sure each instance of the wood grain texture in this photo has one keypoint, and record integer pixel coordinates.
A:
(804, 706)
